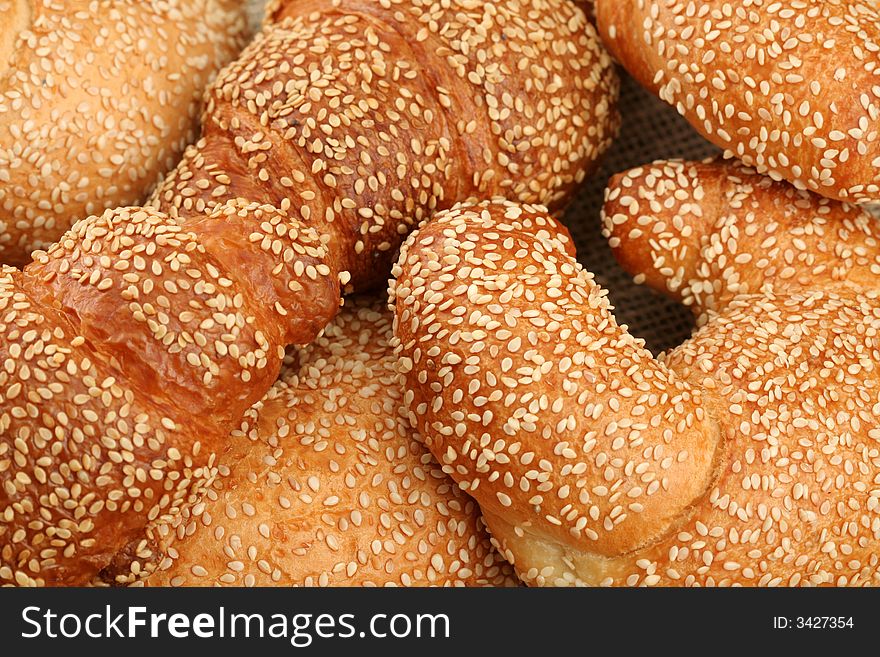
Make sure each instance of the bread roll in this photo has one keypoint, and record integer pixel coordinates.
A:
(707, 232)
(331, 487)
(789, 87)
(97, 100)
(367, 117)
(745, 456)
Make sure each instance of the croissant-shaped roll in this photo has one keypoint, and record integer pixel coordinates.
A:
(745, 456)
(129, 349)
(334, 108)
(329, 486)
(789, 87)
(134, 347)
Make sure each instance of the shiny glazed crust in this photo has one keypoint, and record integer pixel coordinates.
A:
(331, 486)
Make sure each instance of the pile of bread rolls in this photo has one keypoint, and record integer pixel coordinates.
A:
(191, 393)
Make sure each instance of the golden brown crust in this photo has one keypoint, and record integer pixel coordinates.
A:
(780, 382)
(114, 341)
(342, 127)
(330, 486)
(531, 396)
(788, 87)
(370, 116)
(16, 17)
(98, 100)
(756, 233)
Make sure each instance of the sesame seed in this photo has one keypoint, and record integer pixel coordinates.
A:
(745, 456)
(343, 384)
(774, 84)
(78, 135)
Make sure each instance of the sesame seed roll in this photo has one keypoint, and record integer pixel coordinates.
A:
(746, 456)
(97, 100)
(757, 233)
(370, 115)
(790, 87)
(135, 345)
(130, 350)
(330, 486)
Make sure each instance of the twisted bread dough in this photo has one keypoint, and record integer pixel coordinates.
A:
(130, 349)
(370, 116)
